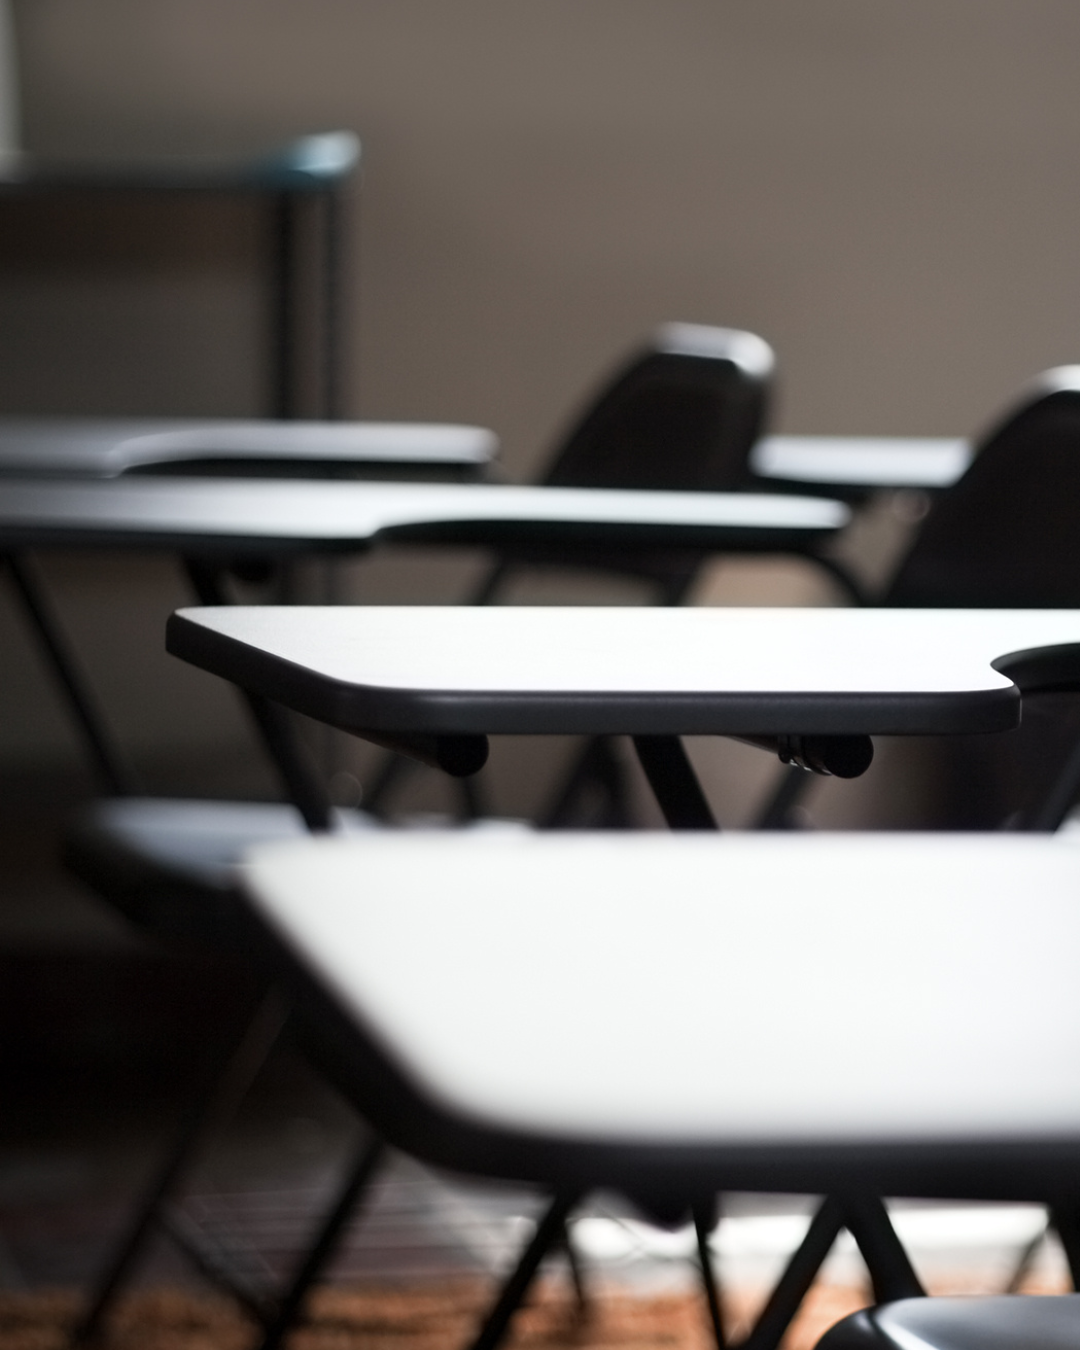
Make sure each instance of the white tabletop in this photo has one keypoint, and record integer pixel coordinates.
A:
(862, 461)
(264, 512)
(104, 447)
(628, 670)
(737, 990)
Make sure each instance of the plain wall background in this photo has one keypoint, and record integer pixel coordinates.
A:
(885, 189)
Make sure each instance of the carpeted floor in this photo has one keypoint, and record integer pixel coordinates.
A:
(424, 1317)
(419, 1317)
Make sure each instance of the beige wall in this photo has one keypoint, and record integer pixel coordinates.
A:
(886, 189)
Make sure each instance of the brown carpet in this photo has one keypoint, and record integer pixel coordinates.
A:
(425, 1317)
(422, 1317)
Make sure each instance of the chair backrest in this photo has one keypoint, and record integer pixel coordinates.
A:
(1007, 535)
(681, 415)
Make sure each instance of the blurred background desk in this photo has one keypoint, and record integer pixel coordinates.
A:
(837, 464)
(227, 519)
(82, 448)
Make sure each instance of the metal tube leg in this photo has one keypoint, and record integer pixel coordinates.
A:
(322, 1249)
(299, 776)
(283, 399)
(393, 770)
(891, 1271)
(1066, 1223)
(118, 777)
(221, 1260)
(217, 1106)
(548, 1233)
(489, 587)
(1048, 813)
(577, 1270)
(702, 1216)
(596, 764)
(473, 800)
(674, 783)
(1026, 1260)
(776, 814)
(333, 231)
(799, 1274)
(846, 580)
(297, 772)
(560, 812)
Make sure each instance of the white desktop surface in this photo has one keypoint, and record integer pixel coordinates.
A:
(736, 989)
(863, 461)
(104, 447)
(530, 669)
(304, 510)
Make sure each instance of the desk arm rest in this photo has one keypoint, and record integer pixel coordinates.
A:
(459, 756)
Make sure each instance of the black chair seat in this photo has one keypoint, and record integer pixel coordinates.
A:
(1008, 1322)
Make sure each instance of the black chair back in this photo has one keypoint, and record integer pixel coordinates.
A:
(1007, 536)
(682, 415)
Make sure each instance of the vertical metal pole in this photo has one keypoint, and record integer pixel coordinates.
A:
(283, 402)
(332, 343)
(674, 783)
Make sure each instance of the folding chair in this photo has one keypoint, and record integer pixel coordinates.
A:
(683, 414)
(1006, 536)
(1007, 1322)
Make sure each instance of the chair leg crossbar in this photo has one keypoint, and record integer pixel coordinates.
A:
(866, 1218)
(212, 1112)
(550, 1233)
(344, 1208)
(218, 1260)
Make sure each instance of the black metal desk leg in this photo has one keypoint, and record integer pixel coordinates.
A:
(704, 1222)
(891, 1272)
(229, 1087)
(325, 1243)
(549, 1233)
(117, 776)
(674, 783)
(299, 775)
(799, 1274)
(1065, 1220)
